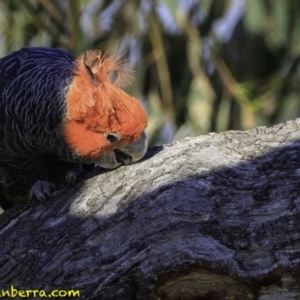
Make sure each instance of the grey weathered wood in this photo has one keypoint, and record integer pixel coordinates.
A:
(211, 217)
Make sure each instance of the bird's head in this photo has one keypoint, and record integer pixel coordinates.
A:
(104, 125)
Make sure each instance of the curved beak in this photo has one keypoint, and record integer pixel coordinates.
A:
(124, 154)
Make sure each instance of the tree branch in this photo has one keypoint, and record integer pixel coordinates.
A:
(211, 217)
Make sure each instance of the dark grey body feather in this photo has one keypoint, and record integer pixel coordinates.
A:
(33, 85)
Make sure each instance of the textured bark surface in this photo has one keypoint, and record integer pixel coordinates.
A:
(211, 217)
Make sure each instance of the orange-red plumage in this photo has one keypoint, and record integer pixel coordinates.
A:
(96, 105)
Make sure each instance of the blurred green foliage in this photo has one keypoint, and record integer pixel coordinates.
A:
(201, 65)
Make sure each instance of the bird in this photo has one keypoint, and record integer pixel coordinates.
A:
(58, 113)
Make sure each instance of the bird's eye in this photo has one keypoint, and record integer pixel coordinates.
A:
(112, 137)
(113, 76)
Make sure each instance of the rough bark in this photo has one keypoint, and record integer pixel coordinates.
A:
(211, 217)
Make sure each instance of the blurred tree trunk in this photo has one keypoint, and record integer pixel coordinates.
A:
(211, 217)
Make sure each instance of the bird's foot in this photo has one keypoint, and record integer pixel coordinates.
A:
(74, 174)
(42, 190)
(72, 177)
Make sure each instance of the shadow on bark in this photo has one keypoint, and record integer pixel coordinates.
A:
(213, 217)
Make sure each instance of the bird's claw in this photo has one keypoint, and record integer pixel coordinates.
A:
(41, 190)
(71, 177)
